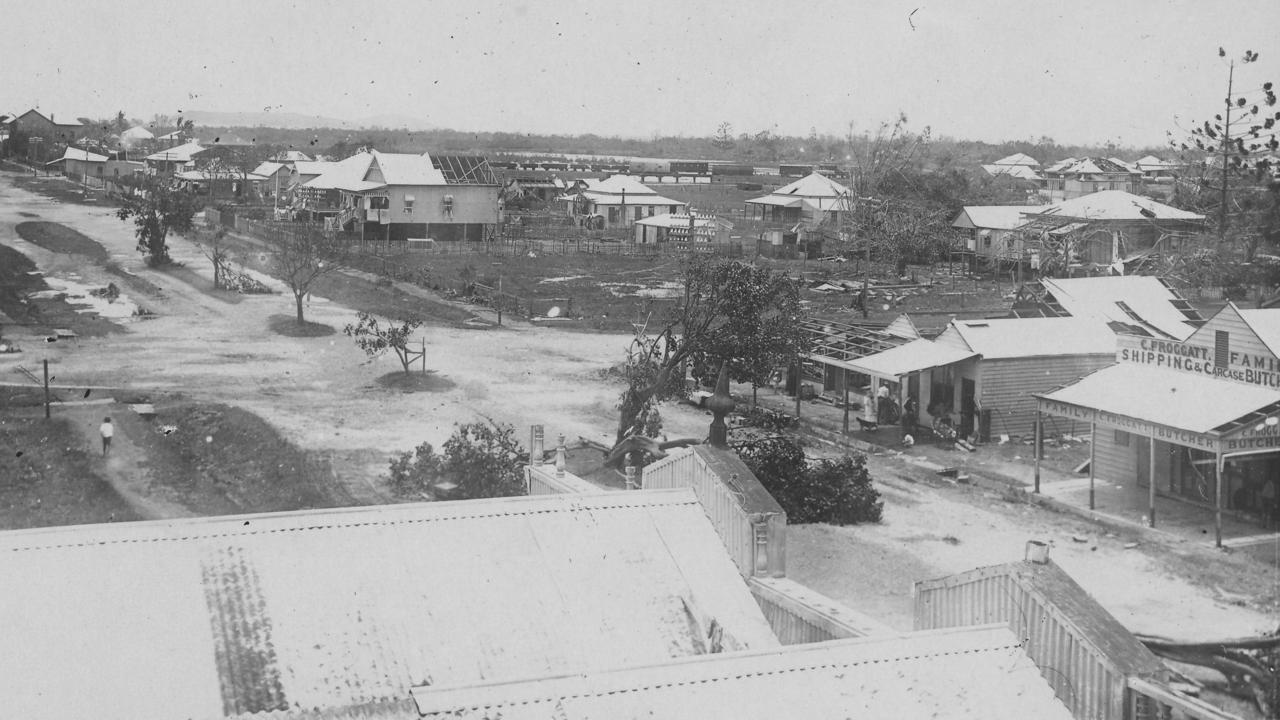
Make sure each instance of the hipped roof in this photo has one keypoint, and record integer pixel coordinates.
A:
(204, 617)
(816, 189)
(1113, 205)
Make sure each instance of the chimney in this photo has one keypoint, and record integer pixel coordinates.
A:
(1036, 552)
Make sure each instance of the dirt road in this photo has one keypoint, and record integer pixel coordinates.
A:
(321, 392)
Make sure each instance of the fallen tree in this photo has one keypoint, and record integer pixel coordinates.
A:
(1250, 665)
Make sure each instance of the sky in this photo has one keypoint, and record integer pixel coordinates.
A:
(1077, 72)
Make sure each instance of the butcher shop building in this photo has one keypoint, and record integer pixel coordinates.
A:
(1196, 419)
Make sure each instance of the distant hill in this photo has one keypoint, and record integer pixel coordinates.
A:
(298, 121)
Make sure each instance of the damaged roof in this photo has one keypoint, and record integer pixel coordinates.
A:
(208, 617)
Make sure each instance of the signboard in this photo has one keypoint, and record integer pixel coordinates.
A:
(1253, 438)
(1241, 367)
(1128, 424)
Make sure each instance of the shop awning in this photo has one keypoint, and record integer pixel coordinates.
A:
(1180, 399)
(912, 357)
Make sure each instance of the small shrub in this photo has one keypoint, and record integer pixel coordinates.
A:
(766, 419)
(480, 460)
(831, 491)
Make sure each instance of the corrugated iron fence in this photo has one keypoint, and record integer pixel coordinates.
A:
(1088, 685)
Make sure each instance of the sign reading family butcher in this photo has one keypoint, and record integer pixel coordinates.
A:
(1236, 366)
(1128, 424)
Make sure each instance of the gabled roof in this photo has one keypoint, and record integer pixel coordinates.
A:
(1113, 205)
(1265, 323)
(404, 169)
(203, 617)
(75, 153)
(179, 153)
(1139, 300)
(347, 174)
(73, 122)
(1190, 401)
(994, 217)
(268, 168)
(969, 673)
(1018, 159)
(1006, 338)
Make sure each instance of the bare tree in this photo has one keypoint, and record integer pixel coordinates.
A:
(870, 218)
(304, 255)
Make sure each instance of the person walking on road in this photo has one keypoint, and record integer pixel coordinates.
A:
(106, 430)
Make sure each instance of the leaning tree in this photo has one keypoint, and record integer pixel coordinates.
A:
(734, 313)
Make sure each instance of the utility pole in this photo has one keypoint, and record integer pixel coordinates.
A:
(46, 389)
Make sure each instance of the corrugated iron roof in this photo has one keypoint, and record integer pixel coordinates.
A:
(1265, 323)
(910, 358)
(179, 153)
(213, 616)
(1175, 398)
(994, 217)
(407, 169)
(75, 153)
(341, 175)
(970, 673)
(1022, 172)
(1127, 299)
(1110, 205)
(1035, 337)
(1018, 159)
(670, 220)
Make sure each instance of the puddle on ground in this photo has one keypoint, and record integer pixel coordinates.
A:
(121, 308)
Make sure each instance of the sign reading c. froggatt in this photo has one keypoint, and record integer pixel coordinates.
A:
(1242, 367)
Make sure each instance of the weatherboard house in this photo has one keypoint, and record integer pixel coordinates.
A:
(1195, 417)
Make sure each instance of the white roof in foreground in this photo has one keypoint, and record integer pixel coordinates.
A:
(905, 359)
(968, 673)
(1100, 297)
(1035, 337)
(1174, 398)
(241, 614)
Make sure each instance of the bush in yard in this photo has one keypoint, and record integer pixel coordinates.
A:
(831, 491)
(480, 460)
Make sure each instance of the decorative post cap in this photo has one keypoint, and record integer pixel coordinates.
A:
(720, 404)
